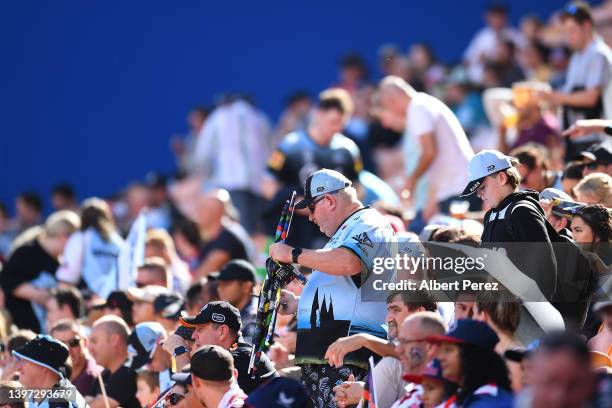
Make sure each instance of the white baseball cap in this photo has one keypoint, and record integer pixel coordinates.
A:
(483, 164)
(322, 182)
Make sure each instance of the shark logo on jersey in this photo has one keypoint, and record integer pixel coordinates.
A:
(363, 241)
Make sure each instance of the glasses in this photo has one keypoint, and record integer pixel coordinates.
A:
(313, 205)
(74, 342)
(174, 398)
(405, 342)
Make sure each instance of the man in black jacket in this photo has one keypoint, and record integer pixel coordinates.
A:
(514, 220)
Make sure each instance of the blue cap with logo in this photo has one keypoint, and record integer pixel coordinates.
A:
(468, 331)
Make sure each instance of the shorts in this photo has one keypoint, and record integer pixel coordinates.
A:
(320, 380)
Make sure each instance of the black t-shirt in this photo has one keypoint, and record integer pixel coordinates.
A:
(265, 369)
(27, 263)
(231, 240)
(120, 386)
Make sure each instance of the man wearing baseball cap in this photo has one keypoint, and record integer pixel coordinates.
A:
(218, 323)
(330, 306)
(236, 281)
(213, 377)
(41, 363)
(598, 158)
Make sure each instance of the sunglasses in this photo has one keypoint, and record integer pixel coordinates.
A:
(74, 342)
(174, 398)
(313, 205)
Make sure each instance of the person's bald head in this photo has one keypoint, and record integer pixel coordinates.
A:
(392, 99)
(413, 351)
(108, 340)
(211, 206)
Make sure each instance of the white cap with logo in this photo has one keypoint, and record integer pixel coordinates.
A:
(483, 164)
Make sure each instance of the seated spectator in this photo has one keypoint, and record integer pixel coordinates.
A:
(200, 293)
(85, 370)
(108, 344)
(63, 303)
(8, 362)
(42, 366)
(6, 234)
(503, 316)
(143, 298)
(119, 304)
(159, 244)
(154, 271)
(91, 254)
(11, 387)
(186, 237)
(213, 377)
(602, 342)
(236, 282)
(534, 168)
(147, 387)
(523, 356)
(218, 323)
(27, 275)
(63, 197)
(224, 238)
(598, 159)
(436, 388)
(144, 347)
(468, 358)
(572, 174)
(592, 228)
(292, 391)
(561, 373)
(596, 188)
(168, 308)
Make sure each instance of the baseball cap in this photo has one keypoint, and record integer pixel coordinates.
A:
(239, 270)
(601, 152)
(146, 294)
(219, 312)
(433, 371)
(45, 351)
(212, 363)
(468, 331)
(519, 353)
(563, 204)
(168, 305)
(118, 299)
(279, 392)
(142, 342)
(321, 182)
(483, 164)
(184, 377)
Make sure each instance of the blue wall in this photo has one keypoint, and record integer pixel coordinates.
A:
(91, 91)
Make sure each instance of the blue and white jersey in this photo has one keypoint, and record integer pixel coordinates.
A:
(331, 306)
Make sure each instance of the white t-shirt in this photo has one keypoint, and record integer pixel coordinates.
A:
(233, 398)
(448, 171)
(389, 383)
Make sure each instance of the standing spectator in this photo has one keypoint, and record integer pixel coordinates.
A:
(295, 116)
(184, 150)
(160, 212)
(29, 207)
(187, 239)
(8, 362)
(434, 143)
(118, 304)
(561, 373)
(224, 238)
(84, 367)
(231, 152)
(108, 344)
(330, 306)
(535, 168)
(534, 58)
(506, 64)
(598, 158)
(484, 43)
(63, 197)
(148, 387)
(596, 188)
(42, 367)
(303, 152)
(90, 257)
(29, 273)
(587, 92)
(425, 68)
(213, 377)
(63, 303)
(236, 282)
(468, 358)
(159, 244)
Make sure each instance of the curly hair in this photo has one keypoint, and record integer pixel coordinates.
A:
(480, 367)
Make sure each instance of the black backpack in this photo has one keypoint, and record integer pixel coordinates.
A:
(576, 279)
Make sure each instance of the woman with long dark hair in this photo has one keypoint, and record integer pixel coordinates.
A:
(91, 255)
(592, 228)
(468, 358)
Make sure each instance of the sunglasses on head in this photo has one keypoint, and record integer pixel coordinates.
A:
(174, 398)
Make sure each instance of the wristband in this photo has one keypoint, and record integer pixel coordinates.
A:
(179, 350)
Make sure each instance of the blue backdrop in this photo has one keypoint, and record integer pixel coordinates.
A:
(93, 90)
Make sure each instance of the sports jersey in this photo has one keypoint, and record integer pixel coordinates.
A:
(331, 306)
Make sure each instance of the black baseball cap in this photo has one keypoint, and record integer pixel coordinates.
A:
(239, 270)
(118, 299)
(168, 305)
(219, 312)
(212, 363)
(601, 152)
(322, 182)
(184, 377)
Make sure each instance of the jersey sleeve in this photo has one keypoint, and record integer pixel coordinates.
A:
(362, 240)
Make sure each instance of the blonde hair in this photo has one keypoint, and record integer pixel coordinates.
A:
(63, 222)
(598, 185)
